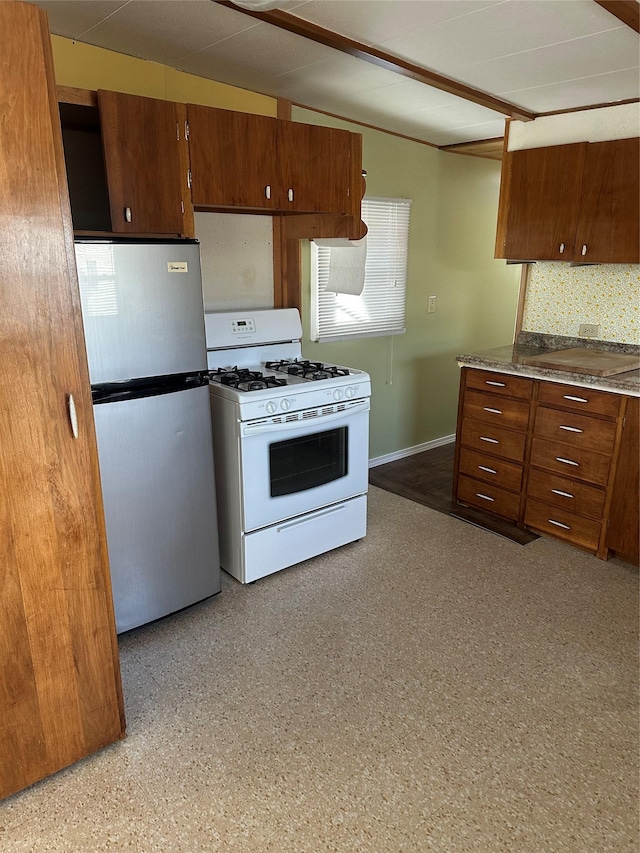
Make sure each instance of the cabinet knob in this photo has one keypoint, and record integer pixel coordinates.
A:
(127, 214)
(267, 191)
(584, 249)
(561, 247)
(290, 194)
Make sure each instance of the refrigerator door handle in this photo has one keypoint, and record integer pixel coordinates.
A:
(73, 415)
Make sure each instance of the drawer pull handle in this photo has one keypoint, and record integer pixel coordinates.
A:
(497, 384)
(484, 497)
(575, 399)
(570, 428)
(567, 461)
(561, 493)
(490, 440)
(559, 524)
(493, 411)
(488, 470)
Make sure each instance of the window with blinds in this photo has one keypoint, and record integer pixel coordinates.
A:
(379, 309)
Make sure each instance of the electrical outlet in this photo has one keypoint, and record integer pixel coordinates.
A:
(588, 330)
(431, 305)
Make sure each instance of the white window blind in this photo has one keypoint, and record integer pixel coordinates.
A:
(380, 308)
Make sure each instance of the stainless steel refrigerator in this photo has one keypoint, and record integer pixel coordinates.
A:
(144, 327)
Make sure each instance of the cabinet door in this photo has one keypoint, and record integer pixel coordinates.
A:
(315, 167)
(623, 535)
(539, 203)
(608, 223)
(233, 159)
(60, 695)
(140, 137)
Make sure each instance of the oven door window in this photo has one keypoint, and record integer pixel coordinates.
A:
(302, 463)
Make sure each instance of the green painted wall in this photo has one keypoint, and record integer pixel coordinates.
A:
(451, 242)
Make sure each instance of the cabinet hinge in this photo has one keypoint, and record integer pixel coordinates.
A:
(624, 422)
(182, 206)
(178, 131)
(186, 130)
(189, 178)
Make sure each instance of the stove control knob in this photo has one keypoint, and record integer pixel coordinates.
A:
(337, 394)
(271, 407)
(350, 392)
(285, 405)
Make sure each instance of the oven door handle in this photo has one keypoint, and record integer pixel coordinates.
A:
(263, 427)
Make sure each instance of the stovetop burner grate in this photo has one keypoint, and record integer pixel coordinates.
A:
(313, 370)
(245, 380)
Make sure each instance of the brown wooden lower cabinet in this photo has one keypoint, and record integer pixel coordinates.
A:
(563, 460)
(623, 533)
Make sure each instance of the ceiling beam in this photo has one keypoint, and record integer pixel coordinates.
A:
(627, 11)
(303, 28)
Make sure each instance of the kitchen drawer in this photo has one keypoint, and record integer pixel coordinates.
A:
(583, 399)
(567, 494)
(507, 475)
(513, 414)
(499, 383)
(491, 439)
(565, 525)
(575, 430)
(489, 498)
(573, 462)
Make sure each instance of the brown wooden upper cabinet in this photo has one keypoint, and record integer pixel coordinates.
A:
(576, 202)
(127, 165)
(145, 168)
(241, 160)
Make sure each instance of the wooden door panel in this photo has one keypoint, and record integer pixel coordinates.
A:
(315, 167)
(142, 161)
(233, 159)
(623, 536)
(60, 695)
(609, 219)
(542, 203)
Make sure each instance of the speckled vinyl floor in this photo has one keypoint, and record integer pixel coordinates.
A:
(430, 688)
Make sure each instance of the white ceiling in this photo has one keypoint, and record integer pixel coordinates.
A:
(540, 55)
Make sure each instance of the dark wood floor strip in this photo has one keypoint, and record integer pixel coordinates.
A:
(427, 478)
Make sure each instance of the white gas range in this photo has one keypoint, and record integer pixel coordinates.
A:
(291, 444)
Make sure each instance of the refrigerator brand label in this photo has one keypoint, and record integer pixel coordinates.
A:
(177, 266)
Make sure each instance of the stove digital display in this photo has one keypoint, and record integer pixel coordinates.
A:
(239, 327)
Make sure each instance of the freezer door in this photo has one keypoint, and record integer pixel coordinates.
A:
(142, 309)
(156, 466)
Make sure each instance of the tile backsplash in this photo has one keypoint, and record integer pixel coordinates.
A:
(561, 297)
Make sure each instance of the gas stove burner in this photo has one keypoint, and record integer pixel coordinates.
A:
(260, 384)
(245, 380)
(314, 370)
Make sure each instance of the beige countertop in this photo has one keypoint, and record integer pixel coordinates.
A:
(511, 359)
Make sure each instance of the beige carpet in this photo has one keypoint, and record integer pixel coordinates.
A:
(430, 688)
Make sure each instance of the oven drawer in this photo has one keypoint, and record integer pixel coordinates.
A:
(583, 399)
(562, 524)
(513, 414)
(494, 440)
(499, 383)
(568, 494)
(575, 430)
(570, 461)
(507, 475)
(489, 497)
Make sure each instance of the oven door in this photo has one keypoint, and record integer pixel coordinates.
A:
(301, 461)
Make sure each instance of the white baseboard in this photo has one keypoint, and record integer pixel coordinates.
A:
(409, 451)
